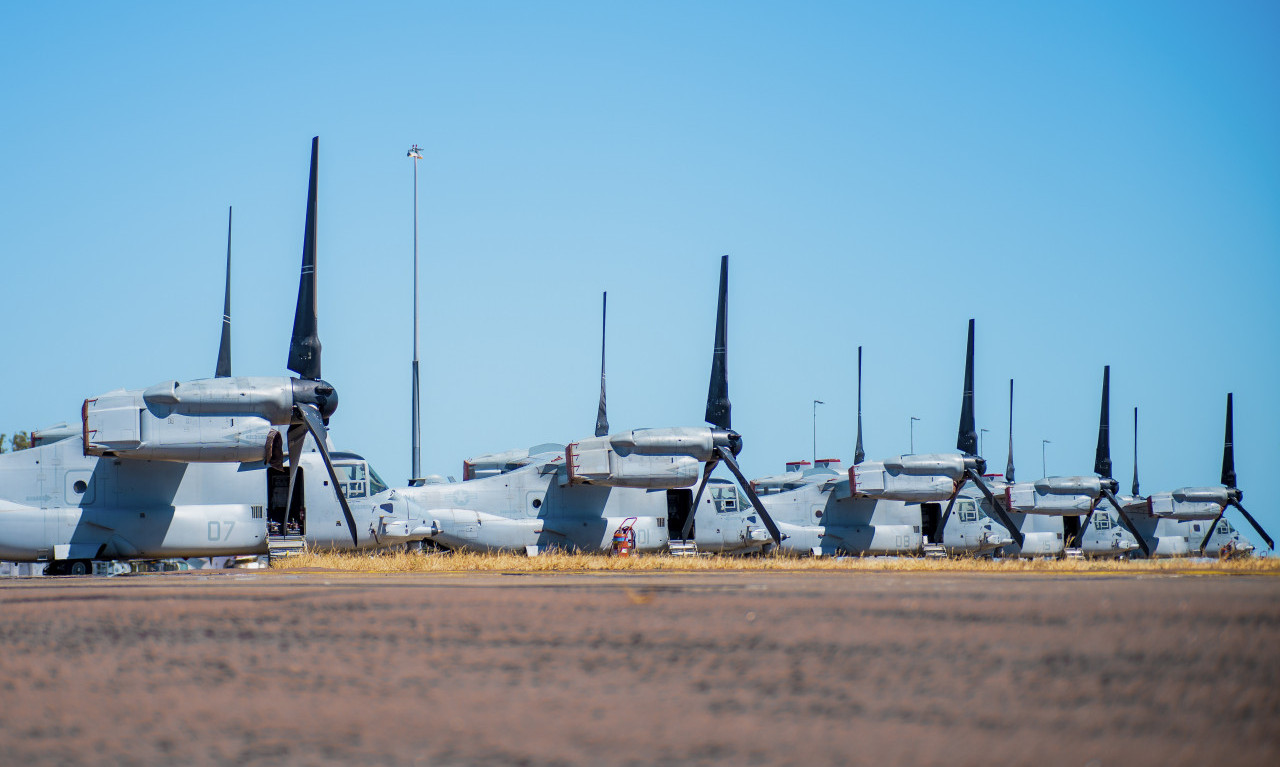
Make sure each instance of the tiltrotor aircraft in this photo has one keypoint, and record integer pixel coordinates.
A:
(576, 496)
(1189, 520)
(195, 468)
(891, 506)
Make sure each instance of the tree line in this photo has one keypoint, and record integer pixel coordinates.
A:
(19, 441)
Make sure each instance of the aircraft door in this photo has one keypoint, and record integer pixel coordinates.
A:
(278, 521)
(1071, 531)
(679, 506)
(930, 518)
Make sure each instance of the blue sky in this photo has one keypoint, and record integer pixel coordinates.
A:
(1096, 183)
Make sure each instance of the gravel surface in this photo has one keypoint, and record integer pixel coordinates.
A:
(285, 667)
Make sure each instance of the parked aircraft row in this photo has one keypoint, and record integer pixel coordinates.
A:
(200, 468)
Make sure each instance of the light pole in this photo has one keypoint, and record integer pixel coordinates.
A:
(980, 433)
(913, 434)
(415, 470)
(816, 402)
(1044, 471)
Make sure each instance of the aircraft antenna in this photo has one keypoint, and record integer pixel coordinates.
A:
(224, 346)
(415, 459)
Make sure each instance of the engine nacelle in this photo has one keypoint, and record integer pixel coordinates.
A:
(909, 478)
(1189, 503)
(268, 398)
(121, 424)
(1055, 496)
(596, 462)
(694, 442)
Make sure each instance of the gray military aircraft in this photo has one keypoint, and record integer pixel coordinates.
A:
(576, 497)
(195, 468)
(1049, 510)
(1189, 520)
(895, 505)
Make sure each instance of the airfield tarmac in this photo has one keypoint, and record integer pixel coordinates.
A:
(287, 667)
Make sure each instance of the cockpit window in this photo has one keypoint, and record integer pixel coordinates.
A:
(376, 485)
(354, 479)
(968, 511)
(1102, 521)
(725, 498)
(1225, 528)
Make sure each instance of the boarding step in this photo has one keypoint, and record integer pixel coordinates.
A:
(935, 551)
(281, 546)
(1073, 553)
(683, 548)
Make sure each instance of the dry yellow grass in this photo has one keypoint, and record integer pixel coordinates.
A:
(401, 562)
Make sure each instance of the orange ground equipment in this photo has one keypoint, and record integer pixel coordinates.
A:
(624, 538)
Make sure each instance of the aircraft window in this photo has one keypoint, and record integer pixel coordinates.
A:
(376, 485)
(352, 477)
(1102, 522)
(80, 486)
(726, 498)
(965, 506)
(968, 515)
(1195, 528)
(537, 503)
(1224, 527)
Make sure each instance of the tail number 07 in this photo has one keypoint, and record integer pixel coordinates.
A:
(216, 530)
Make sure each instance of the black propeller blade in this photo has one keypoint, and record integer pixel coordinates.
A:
(304, 347)
(602, 420)
(858, 454)
(727, 441)
(1234, 495)
(1136, 493)
(224, 346)
(1124, 520)
(727, 457)
(719, 409)
(707, 468)
(967, 443)
(1102, 457)
(314, 400)
(1102, 467)
(311, 420)
(1008, 469)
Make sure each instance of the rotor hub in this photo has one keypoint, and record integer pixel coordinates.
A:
(316, 392)
(728, 438)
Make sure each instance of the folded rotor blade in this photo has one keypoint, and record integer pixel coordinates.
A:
(1128, 523)
(946, 514)
(1209, 533)
(602, 417)
(297, 433)
(1084, 525)
(858, 454)
(697, 499)
(727, 457)
(967, 439)
(223, 369)
(1102, 458)
(1228, 452)
(314, 424)
(304, 346)
(996, 506)
(1255, 524)
(719, 409)
(1008, 469)
(1136, 493)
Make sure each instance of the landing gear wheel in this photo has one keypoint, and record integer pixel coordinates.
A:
(80, 567)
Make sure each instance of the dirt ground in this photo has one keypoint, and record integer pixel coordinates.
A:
(710, 668)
